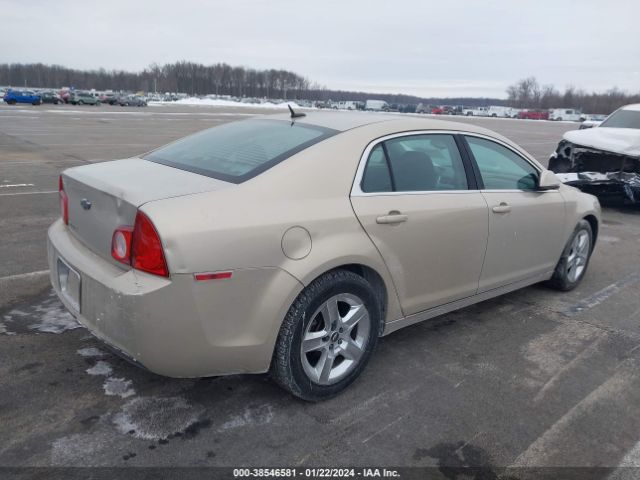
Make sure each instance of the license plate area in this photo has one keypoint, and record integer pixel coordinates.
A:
(69, 283)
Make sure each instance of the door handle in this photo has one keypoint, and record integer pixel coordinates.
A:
(393, 217)
(502, 208)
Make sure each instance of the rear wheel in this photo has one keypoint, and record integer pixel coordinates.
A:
(327, 336)
(574, 260)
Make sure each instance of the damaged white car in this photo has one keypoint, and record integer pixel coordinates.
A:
(604, 160)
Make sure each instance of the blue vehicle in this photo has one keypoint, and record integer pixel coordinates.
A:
(22, 96)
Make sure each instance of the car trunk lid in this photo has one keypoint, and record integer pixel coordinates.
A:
(105, 196)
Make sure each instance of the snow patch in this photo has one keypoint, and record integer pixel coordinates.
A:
(100, 368)
(625, 141)
(608, 239)
(118, 386)
(3, 329)
(55, 320)
(48, 316)
(91, 352)
(217, 102)
(79, 449)
(52, 317)
(155, 418)
(251, 416)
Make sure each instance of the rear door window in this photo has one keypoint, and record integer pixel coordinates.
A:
(415, 163)
(238, 151)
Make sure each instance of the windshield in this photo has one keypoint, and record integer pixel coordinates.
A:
(623, 119)
(238, 151)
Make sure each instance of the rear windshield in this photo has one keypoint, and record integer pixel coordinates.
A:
(238, 151)
(623, 119)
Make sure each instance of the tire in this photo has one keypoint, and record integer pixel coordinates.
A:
(574, 261)
(301, 373)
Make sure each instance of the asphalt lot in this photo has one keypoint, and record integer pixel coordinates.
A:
(533, 378)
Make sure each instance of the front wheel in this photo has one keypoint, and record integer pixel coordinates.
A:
(574, 260)
(327, 336)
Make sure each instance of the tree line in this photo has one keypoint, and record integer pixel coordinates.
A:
(198, 79)
(186, 77)
(528, 93)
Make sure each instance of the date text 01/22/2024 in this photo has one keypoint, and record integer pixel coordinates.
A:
(315, 472)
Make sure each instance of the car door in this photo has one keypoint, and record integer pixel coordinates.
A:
(415, 196)
(525, 225)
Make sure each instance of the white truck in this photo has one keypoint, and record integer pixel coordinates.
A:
(376, 105)
(502, 112)
(567, 114)
(476, 112)
(348, 105)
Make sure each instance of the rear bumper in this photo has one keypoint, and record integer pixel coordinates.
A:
(177, 327)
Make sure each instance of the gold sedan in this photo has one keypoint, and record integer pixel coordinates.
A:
(291, 244)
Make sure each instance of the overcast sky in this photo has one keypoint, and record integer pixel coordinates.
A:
(426, 48)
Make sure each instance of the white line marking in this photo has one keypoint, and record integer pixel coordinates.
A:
(27, 193)
(383, 429)
(602, 295)
(25, 275)
(11, 185)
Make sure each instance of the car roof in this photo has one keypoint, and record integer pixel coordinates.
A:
(343, 121)
(633, 106)
(382, 124)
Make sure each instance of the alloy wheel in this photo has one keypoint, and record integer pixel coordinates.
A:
(578, 255)
(335, 339)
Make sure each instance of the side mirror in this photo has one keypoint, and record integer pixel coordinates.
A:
(548, 181)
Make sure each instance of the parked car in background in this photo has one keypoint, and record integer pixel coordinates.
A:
(592, 120)
(421, 222)
(565, 114)
(64, 95)
(132, 101)
(376, 105)
(534, 114)
(83, 98)
(108, 97)
(424, 108)
(603, 160)
(449, 110)
(51, 97)
(13, 97)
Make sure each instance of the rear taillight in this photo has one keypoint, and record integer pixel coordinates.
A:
(121, 244)
(64, 201)
(140, 247)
